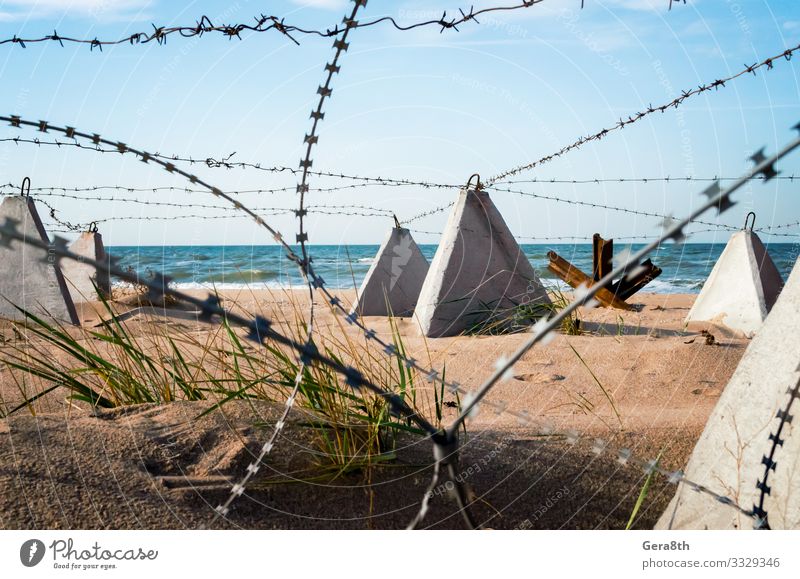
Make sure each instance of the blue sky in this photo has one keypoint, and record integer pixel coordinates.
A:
(417, 105)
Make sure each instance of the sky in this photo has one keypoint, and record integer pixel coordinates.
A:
(420, 105)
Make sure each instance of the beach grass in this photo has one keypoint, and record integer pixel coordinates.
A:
(110, 365)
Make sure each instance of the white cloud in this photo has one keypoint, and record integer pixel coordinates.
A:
(97, 9)
(324, 4)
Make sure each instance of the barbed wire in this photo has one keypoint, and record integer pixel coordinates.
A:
(784, 417)
(225, 163)
(672, 229)
(369, 334)
(83, 225)
(557, 199)
(592, 205)
(261, 329)
(622, 123)
(324, 91)
(264, 23)
(588, 237)
(74, 134)
(341, 209)
(659, 179)
(68, 226)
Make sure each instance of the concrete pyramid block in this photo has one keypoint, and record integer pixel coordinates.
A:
(29, 278)
(742, 287)
(750, 448)
(395, 277)
(479, 272)
(82, 277)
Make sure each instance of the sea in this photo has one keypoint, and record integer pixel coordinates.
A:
(685, 267)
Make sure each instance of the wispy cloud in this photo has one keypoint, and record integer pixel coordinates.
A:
(15, 10)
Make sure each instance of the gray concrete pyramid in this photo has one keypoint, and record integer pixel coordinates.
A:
(742, 287)
(28, 278)
(750, 448)
(82, 277)
(394, 280)
(479, 273)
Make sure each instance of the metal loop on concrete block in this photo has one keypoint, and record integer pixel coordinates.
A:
(747, 219)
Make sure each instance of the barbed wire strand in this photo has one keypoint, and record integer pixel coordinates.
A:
(324, 91)
(264, 24)
(260, 329)
(622, 123)
(336, 304)
(672, 230)
(72, 133)
(213, 163)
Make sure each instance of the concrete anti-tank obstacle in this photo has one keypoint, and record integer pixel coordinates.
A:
(750, 448)
(29, 278)
(394, 280)
(479, 273)
(742, 287)
(82, 277)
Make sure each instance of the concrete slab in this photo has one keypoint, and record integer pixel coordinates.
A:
(394, 279)
(26, 279)
(746, 443)
(81, 276)
(479, 273)
(742, 287)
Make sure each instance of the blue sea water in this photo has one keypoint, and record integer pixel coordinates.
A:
(686, 266)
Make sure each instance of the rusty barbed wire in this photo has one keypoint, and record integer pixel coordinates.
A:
(263, 23)
(624, 122)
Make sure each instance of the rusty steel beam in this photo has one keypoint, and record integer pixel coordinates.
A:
(576, 278)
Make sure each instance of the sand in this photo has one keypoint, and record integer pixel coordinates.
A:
(159, 466)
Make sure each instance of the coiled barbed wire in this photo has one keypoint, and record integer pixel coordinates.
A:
(624, 122)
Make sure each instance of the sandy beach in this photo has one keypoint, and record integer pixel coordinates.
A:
(640, 379)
